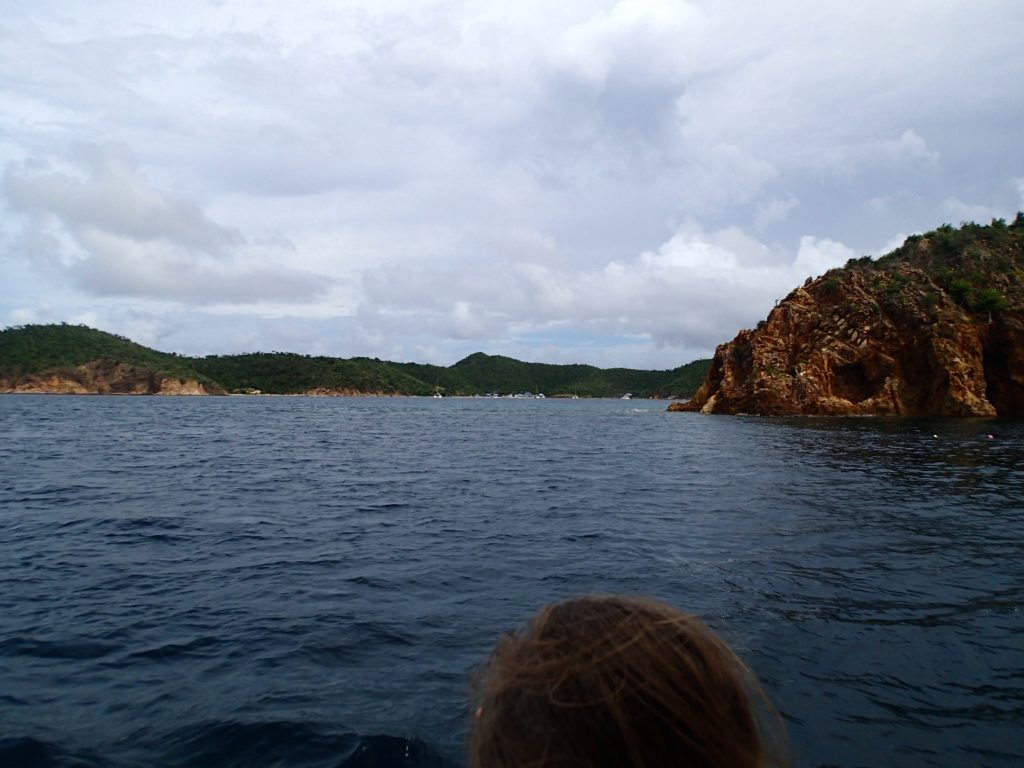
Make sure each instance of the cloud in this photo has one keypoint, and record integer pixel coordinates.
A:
(110, 232)
(693, 292)
(122, 266)
(958, 211)
(644, 43)
(892, 203)
(909, 146)
(112, 196)
(774, 210)
(816, 256)
(594, 176)
(889, 155)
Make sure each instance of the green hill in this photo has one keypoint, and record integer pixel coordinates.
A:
(32, 349)
(35, 349)
(284, 372)
(480, 373)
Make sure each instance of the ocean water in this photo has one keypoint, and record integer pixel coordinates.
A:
(274, 581)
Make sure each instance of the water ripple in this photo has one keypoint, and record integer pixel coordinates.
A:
(270, 581)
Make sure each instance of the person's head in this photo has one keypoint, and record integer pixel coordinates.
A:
(614, 681)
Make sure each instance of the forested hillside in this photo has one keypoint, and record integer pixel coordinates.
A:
(34, 350)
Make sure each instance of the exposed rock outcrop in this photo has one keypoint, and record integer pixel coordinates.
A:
(935, 328)
(344, 392)
(105, 377)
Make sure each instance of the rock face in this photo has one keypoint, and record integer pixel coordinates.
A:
(936, 328)
(103, 377)
(344, 392)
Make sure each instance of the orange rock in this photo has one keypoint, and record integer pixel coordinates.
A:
(104, 377)
(865, 340)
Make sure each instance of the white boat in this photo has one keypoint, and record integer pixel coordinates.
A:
(627, 396)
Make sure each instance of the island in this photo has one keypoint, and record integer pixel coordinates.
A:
(75, 359)
(934, 328)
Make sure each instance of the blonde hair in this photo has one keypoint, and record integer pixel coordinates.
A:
(616, 681)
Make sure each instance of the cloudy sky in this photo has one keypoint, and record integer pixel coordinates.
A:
(618, 183)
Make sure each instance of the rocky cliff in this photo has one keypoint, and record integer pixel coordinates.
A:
(934, 328)
(105, 377)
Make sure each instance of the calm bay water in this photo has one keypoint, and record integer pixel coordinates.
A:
(309, 582)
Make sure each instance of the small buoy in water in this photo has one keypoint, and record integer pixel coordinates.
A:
(990, 437)
(934, 435)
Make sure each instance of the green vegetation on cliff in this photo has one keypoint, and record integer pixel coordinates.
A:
(32, 349)
(35, 349)
(934, 328)
(979, 267)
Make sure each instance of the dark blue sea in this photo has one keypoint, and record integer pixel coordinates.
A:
(277, 581)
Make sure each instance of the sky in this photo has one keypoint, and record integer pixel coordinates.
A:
(615, 183)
